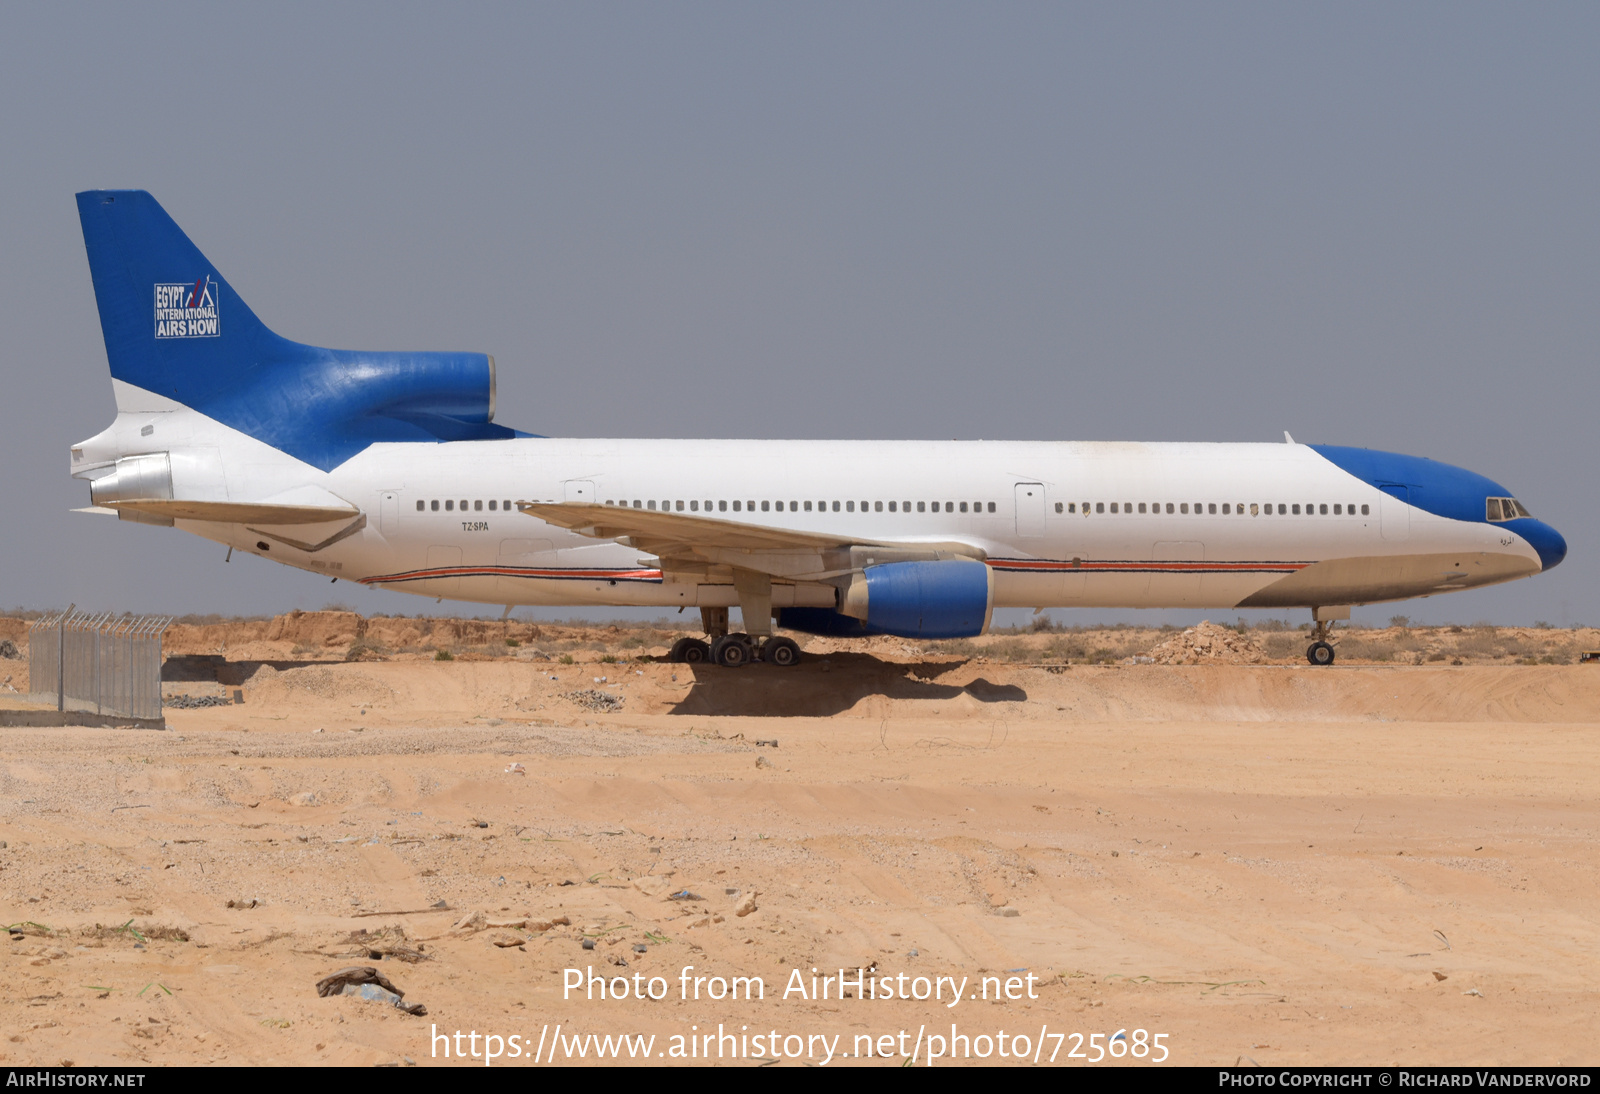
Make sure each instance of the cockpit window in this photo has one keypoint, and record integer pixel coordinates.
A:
(1504, 509)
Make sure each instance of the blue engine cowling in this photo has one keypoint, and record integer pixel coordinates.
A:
(950, 598)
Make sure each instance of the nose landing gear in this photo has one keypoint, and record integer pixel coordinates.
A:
(1320, 652)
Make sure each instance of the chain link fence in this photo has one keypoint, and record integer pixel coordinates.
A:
(106, 663)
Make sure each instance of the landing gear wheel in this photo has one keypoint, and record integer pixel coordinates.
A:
(732, 651)
(1320, 653)
(689, 651)
(782, 652)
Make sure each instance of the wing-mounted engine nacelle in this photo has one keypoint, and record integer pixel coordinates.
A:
(948, 598)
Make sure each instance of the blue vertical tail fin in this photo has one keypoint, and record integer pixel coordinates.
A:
(175, 328)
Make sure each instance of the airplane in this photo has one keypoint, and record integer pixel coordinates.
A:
(388, 469)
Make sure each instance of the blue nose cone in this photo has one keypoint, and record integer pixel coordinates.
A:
(1546, 540)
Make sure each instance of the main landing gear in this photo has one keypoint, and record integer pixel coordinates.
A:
(1320, 652)
(732, 650)
(689, 651)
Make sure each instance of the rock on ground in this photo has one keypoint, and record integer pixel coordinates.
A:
(1209, 644)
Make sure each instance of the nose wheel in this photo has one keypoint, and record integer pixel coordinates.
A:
(1320, 652)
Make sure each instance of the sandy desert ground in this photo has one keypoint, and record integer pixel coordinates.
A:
(1383, 862)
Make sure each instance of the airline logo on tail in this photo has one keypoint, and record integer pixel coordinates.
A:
(187, 311)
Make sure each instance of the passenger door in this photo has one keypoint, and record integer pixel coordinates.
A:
(1030, 510)
(1394, 512)
(389, 514)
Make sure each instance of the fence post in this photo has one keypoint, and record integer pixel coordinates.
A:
(61, 658)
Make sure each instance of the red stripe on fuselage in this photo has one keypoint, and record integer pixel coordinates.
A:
(512, 571)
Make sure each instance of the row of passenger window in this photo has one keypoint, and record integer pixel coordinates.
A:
(450, 505)
(1209, 508)
(694, 506)
(1199, 508)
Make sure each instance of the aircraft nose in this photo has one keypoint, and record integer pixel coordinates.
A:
(1546, 540)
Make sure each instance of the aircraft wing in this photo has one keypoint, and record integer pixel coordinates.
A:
(693, 542)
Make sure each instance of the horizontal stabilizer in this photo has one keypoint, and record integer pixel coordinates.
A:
(232, 512)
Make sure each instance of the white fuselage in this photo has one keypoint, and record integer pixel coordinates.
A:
(1063, 524)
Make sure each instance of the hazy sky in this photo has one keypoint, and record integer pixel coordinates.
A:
(1367, 224)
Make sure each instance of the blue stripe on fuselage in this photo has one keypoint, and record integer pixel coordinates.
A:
(1444, 490)
(1434, 487)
